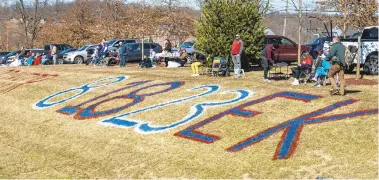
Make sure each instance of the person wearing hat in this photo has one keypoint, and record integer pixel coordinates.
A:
(237, 49)
(122, 54)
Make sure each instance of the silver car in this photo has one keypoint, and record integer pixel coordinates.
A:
(79, 56)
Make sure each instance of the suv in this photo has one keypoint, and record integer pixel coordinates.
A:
(287, 50)
(79, 56)
(134, 50)
(115, 43)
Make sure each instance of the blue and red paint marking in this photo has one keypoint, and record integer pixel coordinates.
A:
(291, 129)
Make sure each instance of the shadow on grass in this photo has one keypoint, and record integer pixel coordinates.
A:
(352, 91)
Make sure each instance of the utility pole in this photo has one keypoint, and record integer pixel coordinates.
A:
(285, 19)
(6, 28)
(299, 42)
(143, 29)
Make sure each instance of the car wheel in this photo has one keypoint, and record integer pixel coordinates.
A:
(78, 60)
(60, 61)
(371, 65)
(189, 59)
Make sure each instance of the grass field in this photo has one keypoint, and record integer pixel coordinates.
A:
(42, 143)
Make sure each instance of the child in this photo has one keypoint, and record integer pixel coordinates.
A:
(296, 71)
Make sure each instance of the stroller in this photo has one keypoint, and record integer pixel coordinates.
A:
(220, 67)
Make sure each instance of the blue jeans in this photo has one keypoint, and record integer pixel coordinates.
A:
(237, 64)
(122, 61)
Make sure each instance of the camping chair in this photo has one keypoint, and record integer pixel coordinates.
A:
(216, 66)
(220, 67)
(305, 74)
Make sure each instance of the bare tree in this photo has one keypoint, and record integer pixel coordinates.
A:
(31, 17)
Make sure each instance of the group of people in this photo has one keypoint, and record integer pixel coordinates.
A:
(28, 58)
(334, 62)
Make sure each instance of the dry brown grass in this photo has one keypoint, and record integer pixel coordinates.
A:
(45, 144)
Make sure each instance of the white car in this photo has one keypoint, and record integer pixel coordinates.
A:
(81, 55)
(369, 45)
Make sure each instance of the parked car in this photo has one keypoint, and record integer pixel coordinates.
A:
(60, 47)
(316, 45)
(369, 50)
(189, 46)
(79, 56)
(61, 53)
(114, 43)
(12, 56)
(3, 55)
(287, 49)
(134, 50)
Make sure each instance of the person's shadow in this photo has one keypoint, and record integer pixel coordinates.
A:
(352, 91)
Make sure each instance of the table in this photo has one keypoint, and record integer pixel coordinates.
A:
(280, 74)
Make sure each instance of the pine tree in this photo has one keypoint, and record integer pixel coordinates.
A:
(221, 20)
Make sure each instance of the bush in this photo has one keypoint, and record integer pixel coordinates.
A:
(221, 20)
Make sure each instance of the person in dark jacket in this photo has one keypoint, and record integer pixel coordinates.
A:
(122, 54)
(167, 46)
(266, 60)
(337, 56)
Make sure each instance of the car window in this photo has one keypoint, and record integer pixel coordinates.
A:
(370, 33)
(117, 44)
(153, 46)
(136, 46)
(129, 41)
(187, 45)
(146, 45)
(272, 41)
(285, 41)
(47, 47)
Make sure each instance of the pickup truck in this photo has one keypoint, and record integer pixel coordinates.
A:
(287, 49)
(369, 50)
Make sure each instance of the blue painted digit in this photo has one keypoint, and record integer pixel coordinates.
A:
(82, 90)
(195, 111)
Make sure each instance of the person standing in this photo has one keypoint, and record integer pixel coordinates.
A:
(167, 46)
(237, 49)
(54, 53)
(266, 60)
(337, 58)
(122, 54)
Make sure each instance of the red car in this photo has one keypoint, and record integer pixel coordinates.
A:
(287, 50)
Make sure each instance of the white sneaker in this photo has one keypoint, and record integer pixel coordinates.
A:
(195, 75)
(266, 80)
(295, 82)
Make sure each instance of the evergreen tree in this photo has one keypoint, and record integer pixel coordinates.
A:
(221, 20)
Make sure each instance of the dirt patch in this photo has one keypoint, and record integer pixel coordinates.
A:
(367, 82)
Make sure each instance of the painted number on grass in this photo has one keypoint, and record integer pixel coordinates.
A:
(291, 129)
(44, 103)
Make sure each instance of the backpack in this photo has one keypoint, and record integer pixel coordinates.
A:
(350, 53)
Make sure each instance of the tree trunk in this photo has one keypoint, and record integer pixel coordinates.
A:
(359, 55)
(299, 33)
